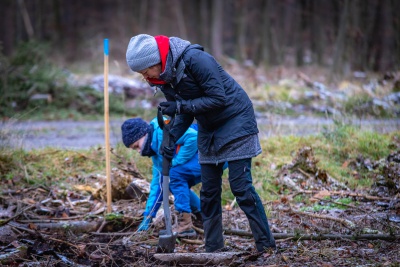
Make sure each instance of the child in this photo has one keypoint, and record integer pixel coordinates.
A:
(184, 173)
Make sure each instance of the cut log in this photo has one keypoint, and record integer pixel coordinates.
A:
(211, 259)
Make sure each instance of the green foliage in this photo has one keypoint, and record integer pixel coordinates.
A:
(29, 72)
(349, 141)
(48, 166)
(362, 105)
(114, 216)
(329, 205)
(30, 82)
(51, 166)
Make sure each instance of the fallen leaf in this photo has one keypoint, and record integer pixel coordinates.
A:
(32, 226)
(284, 199)
(322, 194)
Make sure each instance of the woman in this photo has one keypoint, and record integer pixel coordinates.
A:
(196, 86)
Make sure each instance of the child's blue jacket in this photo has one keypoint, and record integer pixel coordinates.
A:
(187, 149)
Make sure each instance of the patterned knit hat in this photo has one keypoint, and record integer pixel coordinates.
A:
(133, 129)
(142, 52)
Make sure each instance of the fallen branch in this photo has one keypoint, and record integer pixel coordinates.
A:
(286, 180)
(20, 191)
(4, 222)
(344, 193)
(345, 222)
(75, 227)
(294, 236)
(113, 233)
(214, 259)
(197, 229)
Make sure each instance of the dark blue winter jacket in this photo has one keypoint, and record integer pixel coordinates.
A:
(208, 93)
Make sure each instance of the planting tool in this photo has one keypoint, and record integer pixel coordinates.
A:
(166, 239)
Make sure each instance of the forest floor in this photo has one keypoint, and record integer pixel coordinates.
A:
(315, 222)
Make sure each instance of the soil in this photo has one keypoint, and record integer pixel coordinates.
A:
(46, 243)
(44, 226)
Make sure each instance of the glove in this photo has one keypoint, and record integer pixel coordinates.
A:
(145, 224)
(168, 152)
(169, 108)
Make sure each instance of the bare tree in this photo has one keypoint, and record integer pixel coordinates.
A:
(352, 34)
(217, 28)
(180, 21)
(339, 56)
(154, 17)
(241, 29)
(396, 30)
(204, 23)
(317, 41)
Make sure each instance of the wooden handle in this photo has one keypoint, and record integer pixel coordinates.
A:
(106, 126)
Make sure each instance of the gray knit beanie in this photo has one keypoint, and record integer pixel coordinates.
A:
(133, 129)
(142, 52)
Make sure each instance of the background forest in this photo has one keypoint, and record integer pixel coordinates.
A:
(324, 79)
(344, 35)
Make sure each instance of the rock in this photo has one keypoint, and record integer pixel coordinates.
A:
(120, 85)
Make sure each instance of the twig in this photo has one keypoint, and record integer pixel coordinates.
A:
(64, 242)
(113, 233)
(338, 203)
(344, 193)
(102, 226)
(305, 173)
(197, 229)
(345, 222)
(192, 241)
(19, 191)
(15, 216)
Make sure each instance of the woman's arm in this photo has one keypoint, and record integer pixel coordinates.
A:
(206, 72)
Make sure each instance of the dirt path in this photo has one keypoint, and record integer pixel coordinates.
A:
(83, 135)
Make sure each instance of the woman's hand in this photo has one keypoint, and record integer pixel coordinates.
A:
(169, 108)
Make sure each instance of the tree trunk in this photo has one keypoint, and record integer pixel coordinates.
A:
(154, 17)
(317, 39)
(396, 29)
(177, 6)
(217, 29)
(302, 24)
(340, 44)
(204, 23)
(241, 22)
(143, 7)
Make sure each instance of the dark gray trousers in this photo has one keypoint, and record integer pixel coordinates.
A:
(241, 184)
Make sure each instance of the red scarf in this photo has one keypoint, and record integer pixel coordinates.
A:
(163, 47)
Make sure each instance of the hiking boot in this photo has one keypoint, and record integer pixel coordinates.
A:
(184, 225)
(197, 220)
